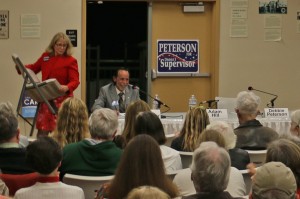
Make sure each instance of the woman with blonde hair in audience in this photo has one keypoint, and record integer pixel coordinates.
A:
(239, 157)
(72, 122)
(130, 116)
(141, 164)
(195, 122)
(147, 192)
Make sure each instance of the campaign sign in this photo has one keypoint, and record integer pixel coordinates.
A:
(29, 106)
(177, 56)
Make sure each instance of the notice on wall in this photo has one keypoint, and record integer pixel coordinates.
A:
(177, 56)
(239, 15)
(4, 24)
(273, 27)
(239, 3)
(30, 26)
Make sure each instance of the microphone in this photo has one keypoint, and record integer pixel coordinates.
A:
(145, 93)
(208, 101)
(271, 103)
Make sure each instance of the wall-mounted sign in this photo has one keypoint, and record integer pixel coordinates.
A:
(4, 24)
(72, 34)
(177, 56)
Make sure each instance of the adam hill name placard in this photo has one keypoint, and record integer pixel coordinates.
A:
(217, 113)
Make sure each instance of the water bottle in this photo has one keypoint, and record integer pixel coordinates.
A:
(155, 103)
(192, 102)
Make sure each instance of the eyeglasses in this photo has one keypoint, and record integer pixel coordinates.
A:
(61, 45)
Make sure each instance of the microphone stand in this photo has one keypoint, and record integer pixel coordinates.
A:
(271, 103)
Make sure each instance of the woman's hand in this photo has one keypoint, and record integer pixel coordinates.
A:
(64, 88)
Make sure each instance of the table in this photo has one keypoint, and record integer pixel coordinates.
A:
(174, 122)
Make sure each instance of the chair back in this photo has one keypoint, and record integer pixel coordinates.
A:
(257, 156)
(186, 159)
(170, 138)
(171, 174)
(88, 183)
(14, 182)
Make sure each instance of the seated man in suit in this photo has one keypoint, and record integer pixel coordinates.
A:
(98, 155)
(251, 134)
(119, 91)
(12, 155)
(44, 156)
(210, 172)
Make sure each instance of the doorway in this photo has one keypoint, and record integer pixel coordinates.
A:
(116, 36)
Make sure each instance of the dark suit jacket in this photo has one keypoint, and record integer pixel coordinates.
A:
(108, 94)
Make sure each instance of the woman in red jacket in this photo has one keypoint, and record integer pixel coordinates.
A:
(57, 63)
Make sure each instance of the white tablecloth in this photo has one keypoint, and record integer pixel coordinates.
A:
(174, 122)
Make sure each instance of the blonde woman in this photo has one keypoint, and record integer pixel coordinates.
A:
(195, 122)
(72, 122)
(147, 192)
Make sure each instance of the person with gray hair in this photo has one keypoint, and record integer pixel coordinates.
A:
(98, 155)
(210, 172)
(12, 155)
(251, 134)
(295, 122)
(239, 157)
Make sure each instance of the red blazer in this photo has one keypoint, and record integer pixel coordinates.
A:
(62, 68)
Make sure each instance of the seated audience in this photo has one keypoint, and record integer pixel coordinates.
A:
(98, 155)
(295, 122)
(72, 122)
(273, 180)
(239, 157)
(147, 192)
(236, 186)
(155, 129)
(251, 134)
(131, 112)
(195, 122)
(12, 155)
(141, 164)
(44, 156)
(210, 172)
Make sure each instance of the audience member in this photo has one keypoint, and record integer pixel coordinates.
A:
(147, 192)
(251, 134)
(72, 122)
(210, 172)
(118, 91)
(141, 164)
(44, 156)
(3, 189)
(195, 122)
(295, 121)
(273, 180)
(236, 186)
(12, 155)
(155, 129)
(130, 117)
(239, 157)
(98, 155)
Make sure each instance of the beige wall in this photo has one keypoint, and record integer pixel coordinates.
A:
(269, 66)
(56, 16)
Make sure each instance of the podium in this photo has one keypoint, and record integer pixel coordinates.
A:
(41, 92)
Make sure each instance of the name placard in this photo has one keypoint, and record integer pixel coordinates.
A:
(276, 112)
(217, 113)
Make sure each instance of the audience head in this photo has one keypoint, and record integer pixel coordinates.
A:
(8, 123)
(227, 132)
(247, 104)
(147, 192)
(141, 164)
(130, 117)
(211, 163)
(103, 124)
(274, 180)
(44, 155)
(195, 122)
(287, 152)
(72, 122)
(295, 122)
(213, 136)
(149, 123)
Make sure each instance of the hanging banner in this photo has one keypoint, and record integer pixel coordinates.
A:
(177, 56)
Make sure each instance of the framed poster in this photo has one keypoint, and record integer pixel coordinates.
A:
(4, 24)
